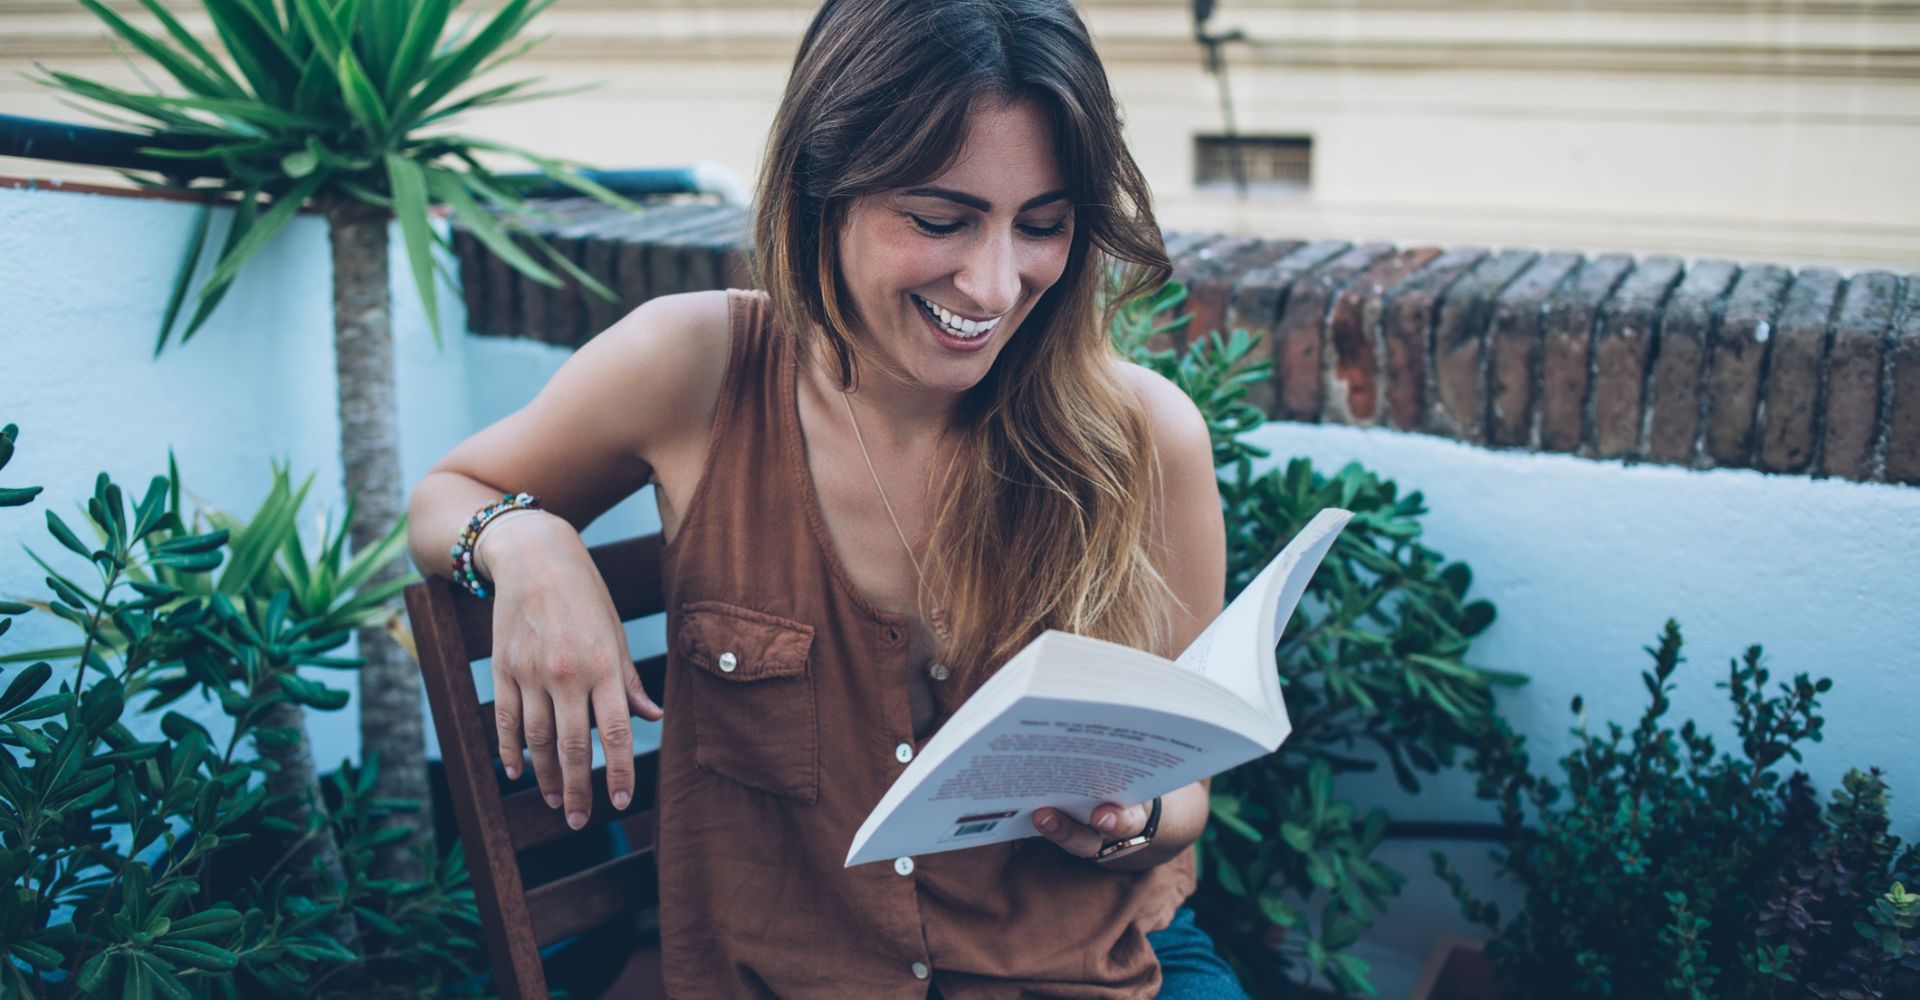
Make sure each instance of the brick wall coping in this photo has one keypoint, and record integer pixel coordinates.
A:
(1708, 364)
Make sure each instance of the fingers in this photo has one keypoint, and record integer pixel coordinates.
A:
(506, 721)
(610, 704)
(541, 742)
(574, 742)
(641, 703)
(1110, 822)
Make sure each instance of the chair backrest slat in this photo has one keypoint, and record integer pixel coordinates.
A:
(451, 630)
(531, 822)
(585, 900)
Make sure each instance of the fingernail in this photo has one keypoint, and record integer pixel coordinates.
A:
(576, 819)
(553, 800)
(1107, 823)
(1049, 823)
(620, 800)
(513, 772)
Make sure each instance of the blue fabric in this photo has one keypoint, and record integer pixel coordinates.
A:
(1189, 968)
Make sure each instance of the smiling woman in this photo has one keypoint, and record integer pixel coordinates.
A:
(877, 478)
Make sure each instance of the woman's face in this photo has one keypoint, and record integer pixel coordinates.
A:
(981, 242)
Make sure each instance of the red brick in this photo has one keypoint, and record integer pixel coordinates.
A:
(1850, 418)
(1196, 254)
(1790, 394)
(1406, 329)
(1301, 334)
(1737, 357)
(1257, 301)
(1676, 389)
(1566, 350)
(1219, 267)
(1903, 384)
(1621, 349)
(1513, 348)
(1353, 337)
(1459, 345)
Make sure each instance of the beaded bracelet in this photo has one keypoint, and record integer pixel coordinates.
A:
(463, 572)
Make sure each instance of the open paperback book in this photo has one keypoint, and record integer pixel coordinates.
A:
(1071, 722)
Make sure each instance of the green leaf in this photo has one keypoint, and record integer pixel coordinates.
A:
(458, 67)
(37, 955)
(426, 20)
(183, 278)
(362, 99)
(196, 954)
(299, 163)
(450, 188)
(181, 68)
(65, 536)
(257, 235)
(313, 693)
(24, 685)
(408, 184)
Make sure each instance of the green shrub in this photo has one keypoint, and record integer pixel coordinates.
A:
(1655, 865)
(191, 866)
(1374, 668)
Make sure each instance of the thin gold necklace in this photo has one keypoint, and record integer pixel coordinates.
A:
(936, 616)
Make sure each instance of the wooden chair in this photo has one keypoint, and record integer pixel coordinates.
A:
(452, 629)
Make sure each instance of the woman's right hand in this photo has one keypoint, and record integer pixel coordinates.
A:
(560, 663)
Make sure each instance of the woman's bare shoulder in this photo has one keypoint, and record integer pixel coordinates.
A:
(662, 364)
(1179, 430)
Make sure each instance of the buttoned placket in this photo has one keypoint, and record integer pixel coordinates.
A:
(900, 717)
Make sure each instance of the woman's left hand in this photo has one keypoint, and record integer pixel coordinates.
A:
(1183, 814)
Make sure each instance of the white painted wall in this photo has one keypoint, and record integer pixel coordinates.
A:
(1584, 559)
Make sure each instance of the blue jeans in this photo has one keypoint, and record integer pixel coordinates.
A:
(1189, 969)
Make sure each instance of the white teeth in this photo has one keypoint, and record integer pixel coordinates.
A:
(966, 329)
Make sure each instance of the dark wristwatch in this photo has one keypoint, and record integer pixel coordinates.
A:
(1130, 845)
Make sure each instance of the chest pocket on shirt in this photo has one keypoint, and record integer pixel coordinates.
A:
(754, 716)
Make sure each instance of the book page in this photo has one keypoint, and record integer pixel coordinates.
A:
(1237, 649)
(1068, 755)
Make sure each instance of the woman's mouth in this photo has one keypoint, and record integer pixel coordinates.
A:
(955, 331)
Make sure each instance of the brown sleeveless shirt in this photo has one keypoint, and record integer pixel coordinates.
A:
(788, 718)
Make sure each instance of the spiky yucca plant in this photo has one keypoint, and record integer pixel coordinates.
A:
(344, 105)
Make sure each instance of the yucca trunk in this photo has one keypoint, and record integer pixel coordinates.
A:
(295, 781)
(390, 709)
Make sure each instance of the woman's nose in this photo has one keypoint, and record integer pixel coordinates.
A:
(990, 276)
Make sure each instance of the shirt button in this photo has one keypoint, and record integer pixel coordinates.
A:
(728, 661)
(903, 752)
(920, 970)
(938, 671)
(903, 865)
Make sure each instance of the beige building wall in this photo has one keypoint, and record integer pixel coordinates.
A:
(1785, 130)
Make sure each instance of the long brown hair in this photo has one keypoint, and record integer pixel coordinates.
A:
(1044, 523)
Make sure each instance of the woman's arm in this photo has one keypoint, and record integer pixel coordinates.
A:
(635, 399)
(1189, 542)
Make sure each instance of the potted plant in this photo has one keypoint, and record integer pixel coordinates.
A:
(1375, 668)
(156, 856)
(1656, 865)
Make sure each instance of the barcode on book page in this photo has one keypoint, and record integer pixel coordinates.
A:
(976, 825)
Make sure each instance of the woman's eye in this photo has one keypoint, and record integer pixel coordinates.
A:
(934, 228)
(949, 228)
